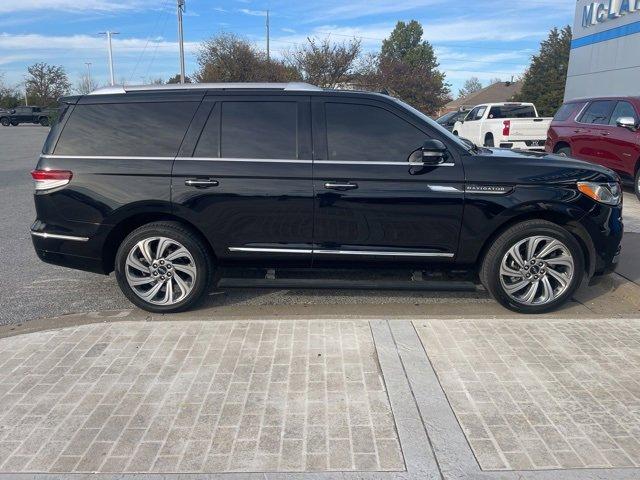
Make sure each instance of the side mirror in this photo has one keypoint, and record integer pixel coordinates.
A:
(433, 152)
(627, 122)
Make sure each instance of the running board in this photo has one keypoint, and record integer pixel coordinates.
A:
(333, 284)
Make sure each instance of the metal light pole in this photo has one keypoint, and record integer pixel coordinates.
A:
(181, 8)
(268, 52)
(109, 34)
(88, 64)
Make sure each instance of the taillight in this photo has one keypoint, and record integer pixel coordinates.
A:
(48, 179)
(506, 129)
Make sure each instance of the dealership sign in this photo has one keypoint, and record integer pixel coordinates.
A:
(599, 12)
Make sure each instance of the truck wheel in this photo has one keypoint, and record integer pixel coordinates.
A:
(163, 267)
(15, 123)
(533, 267)
(5, 121)
(564, 152)
(488, 141)
(44, 121)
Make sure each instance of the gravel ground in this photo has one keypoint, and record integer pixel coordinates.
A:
(32, 289)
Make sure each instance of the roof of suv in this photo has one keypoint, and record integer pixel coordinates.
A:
(291, 86)
(611, 97)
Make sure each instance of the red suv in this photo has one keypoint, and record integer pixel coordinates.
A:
(600, 130)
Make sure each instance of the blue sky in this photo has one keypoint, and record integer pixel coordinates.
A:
(482, 38)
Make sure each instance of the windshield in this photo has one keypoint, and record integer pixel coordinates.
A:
(443, 131)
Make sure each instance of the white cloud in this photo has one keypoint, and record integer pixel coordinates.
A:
(7, 6)
(253, 13)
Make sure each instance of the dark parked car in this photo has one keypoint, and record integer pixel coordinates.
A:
(600, 130)
(167, 184)
(448, 120)
(19, 115)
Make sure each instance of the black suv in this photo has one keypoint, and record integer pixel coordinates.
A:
(167, 184)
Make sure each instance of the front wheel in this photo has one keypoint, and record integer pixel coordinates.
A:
(44, 121)
(564, 152)
(163, 267)
(636, 184)
(15, 123)
(533, 267)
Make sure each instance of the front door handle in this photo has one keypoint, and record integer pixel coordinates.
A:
(340, 186)
(605, 134)
(201, 182)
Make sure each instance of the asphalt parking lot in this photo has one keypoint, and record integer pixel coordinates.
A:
(32, 289)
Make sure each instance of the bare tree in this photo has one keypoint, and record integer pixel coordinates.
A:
(324, 63)
(86, 84)
(46, 83)
(471, 85)
(228, 58)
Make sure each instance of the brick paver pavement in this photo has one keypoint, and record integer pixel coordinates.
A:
(196, 397)
(537, 394)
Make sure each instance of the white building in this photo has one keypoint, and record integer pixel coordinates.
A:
(605, 52)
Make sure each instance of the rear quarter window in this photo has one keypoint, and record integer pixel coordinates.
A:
(126, 129)
(566, 111)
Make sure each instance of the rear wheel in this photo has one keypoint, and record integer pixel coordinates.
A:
(533, 267)
(488, 141)
(163, 267)
(15, 123)
(636, 184)
(564, 151)
(44, 121)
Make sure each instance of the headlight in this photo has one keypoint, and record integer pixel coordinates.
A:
(608, 193)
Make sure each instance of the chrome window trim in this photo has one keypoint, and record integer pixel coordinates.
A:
(247, 160)
(287, 87)
(55, 236)
(595, 124)
(339, 252)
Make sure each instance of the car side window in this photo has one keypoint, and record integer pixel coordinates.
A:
(623, 109)
(149, 129)
(255, 129)
(369, 133)
(598, 113)
(475, 114)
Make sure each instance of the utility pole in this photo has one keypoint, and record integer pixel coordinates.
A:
(268, 53)
(26, 99)
(181, 8)
(109, 34)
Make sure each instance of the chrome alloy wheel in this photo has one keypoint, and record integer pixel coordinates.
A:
(160, 270)
(536, 270)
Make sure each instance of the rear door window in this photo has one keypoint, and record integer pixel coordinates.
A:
(368, 133)
(598, 113)
(126, 129)
(254, 129)
(623, 109)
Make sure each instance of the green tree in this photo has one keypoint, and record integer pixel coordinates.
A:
(407, 68)
(9, 96)
(46, 83)
(471, 85)
(545, 79)
(228, 58)
(176, 79)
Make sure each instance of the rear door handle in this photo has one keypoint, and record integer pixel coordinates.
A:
(605, 134)
(340, 186)
(201, 182)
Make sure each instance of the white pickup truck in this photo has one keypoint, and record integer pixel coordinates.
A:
(505, 125)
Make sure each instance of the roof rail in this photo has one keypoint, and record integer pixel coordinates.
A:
(291, 86)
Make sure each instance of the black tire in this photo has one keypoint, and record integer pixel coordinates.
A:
(488, 141)
(44, 121)
(636, 184)
(195, 246)
(455, 132)
(490, 268)
(564, 151)
(15, 123)
(5, 121)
